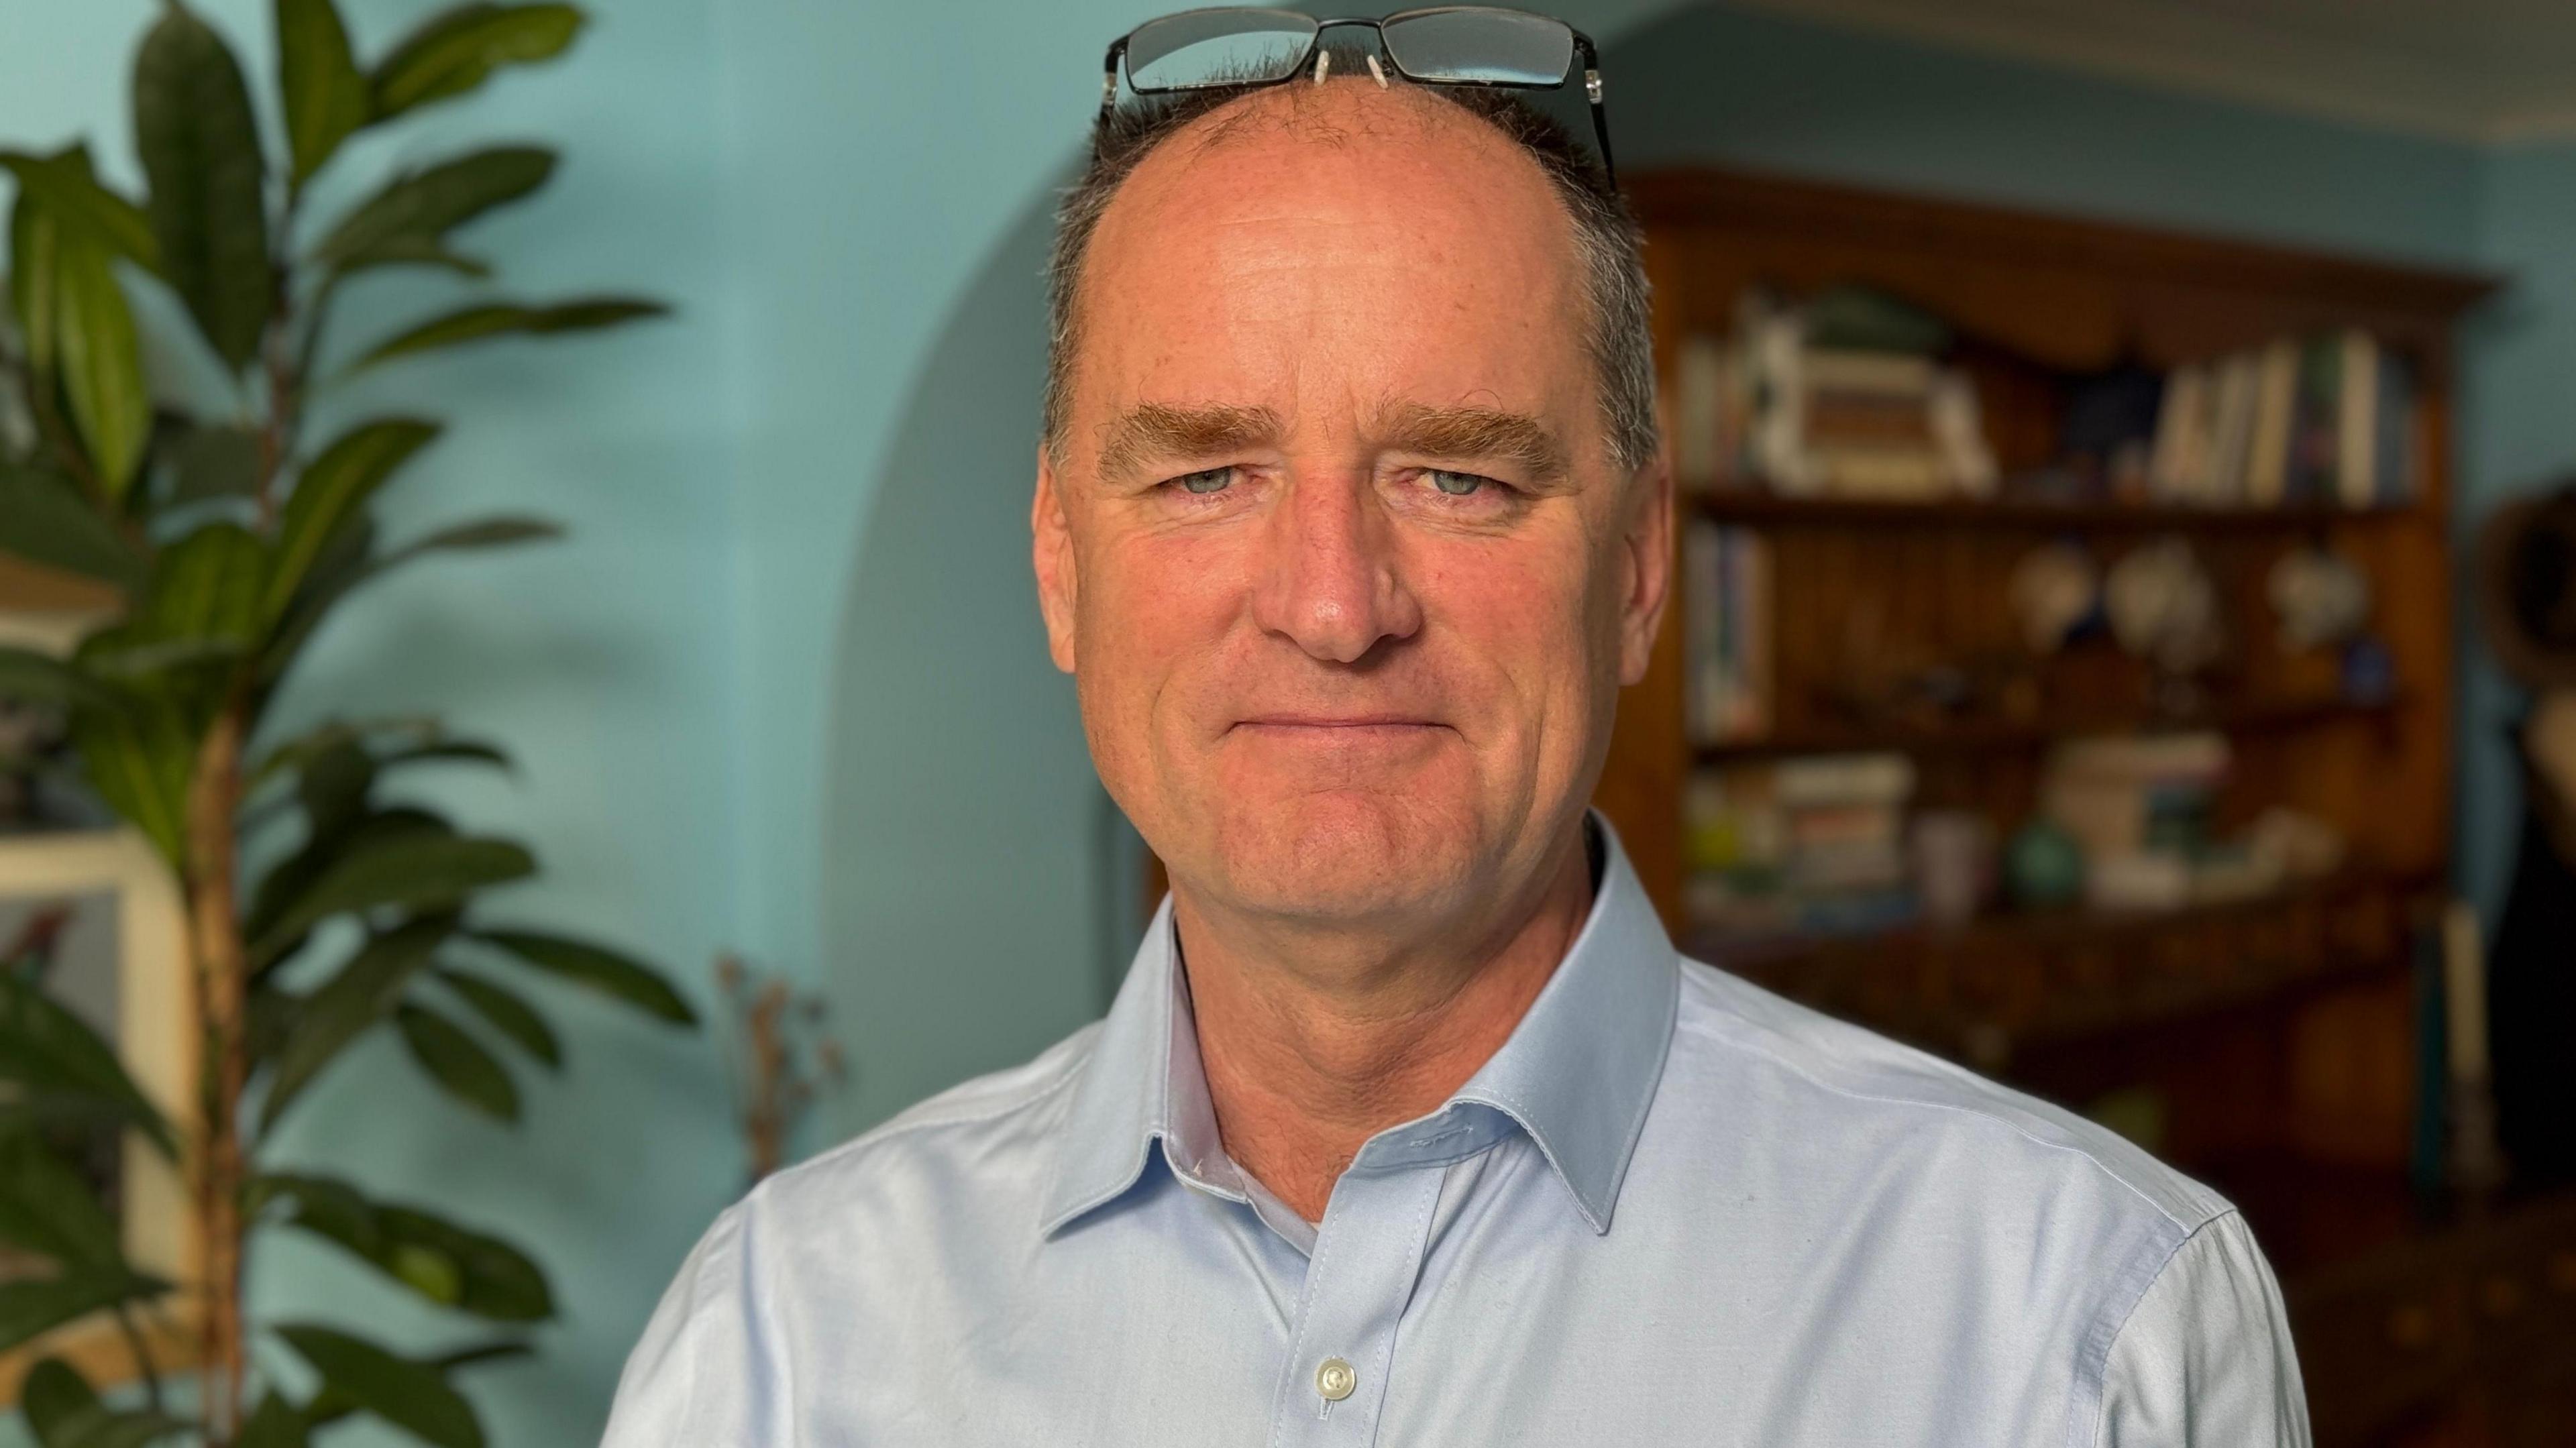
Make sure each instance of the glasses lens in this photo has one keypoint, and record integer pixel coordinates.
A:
(1476, 43)
(1198, 48)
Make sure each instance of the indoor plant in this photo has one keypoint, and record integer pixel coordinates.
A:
(229, 539)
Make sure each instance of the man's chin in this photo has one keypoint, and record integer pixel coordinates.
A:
(1340, 855)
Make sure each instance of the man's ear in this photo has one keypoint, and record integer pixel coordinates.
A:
(1646, 565)
(1051, 551)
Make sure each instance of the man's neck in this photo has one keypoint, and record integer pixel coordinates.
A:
(1313, 1046)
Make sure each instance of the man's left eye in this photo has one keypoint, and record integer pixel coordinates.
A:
(1458, 485)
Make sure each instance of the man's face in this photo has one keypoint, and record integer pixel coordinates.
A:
(1333, 542)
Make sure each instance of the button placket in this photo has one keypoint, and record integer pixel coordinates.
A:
(1368, 1257)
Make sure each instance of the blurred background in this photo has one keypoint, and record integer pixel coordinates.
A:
(2125, 594)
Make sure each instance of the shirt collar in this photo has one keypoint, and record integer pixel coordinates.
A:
(1576, 1075)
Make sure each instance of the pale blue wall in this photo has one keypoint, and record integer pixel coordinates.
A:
(2519, 432)
(784, 690)
(1711, 84)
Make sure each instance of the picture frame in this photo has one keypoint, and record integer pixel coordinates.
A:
(115, 928)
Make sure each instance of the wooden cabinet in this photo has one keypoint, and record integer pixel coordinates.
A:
(2276, 1035)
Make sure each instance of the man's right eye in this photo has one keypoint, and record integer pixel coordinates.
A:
(1210, 480)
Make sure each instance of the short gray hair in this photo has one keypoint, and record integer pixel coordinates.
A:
(1607, 240)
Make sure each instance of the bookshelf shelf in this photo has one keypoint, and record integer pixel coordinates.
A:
(1753, 507)
(2000, 735)
(1995, 987)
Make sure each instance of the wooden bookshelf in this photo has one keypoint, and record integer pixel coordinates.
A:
(2277, 1035)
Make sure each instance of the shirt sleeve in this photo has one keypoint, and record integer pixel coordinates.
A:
(695, 1379)
(2204, 1360)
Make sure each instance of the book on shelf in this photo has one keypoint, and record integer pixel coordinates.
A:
(2327, 419)
(2267, 462)
(1726, 633)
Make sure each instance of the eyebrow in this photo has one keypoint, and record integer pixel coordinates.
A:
(1156, 429)
(1472, 432)
(1161, 430)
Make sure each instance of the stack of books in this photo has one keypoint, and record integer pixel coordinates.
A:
(2141, 809)
(1855, 405)
(1813, 845)
(2324, 420)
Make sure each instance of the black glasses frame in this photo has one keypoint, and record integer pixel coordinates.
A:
(1583, 49)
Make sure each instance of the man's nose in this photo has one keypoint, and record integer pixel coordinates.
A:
(1331, 581)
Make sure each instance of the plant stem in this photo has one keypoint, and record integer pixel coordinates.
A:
(141, 1347)
(214, 793)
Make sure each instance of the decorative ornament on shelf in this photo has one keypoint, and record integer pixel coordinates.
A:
(2056, 592)
(2163, 607)
(779, 1060)
(316, 902)
(2319, 596)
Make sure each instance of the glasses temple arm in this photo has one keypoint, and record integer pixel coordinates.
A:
(1592, 94)
(1109, 74)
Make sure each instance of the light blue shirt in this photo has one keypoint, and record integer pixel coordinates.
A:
(1672, 1209)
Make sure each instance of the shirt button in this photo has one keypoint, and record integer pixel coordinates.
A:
(1334, 1379)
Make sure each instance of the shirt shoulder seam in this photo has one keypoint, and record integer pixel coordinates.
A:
(2094, 1370)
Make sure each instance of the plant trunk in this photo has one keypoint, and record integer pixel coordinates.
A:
(222, 985)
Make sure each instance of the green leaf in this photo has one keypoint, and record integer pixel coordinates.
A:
(470, 751)
(340, 567)
(65, 1412)
(35, 280)
(420, 209)
(102, 364)
(457, 51)
(332, 491)
(209, 210)
(44, 519)
(29, 1306)
(508, 1012)
(494, 319)
(95, 1425)
(411, 1396)
(333, 788)
(597, 967)
(30, 677)
(457, 1062)
(214, 462)
(273, 1424)
(45, 1051)
(417, 870)
(295, 753)
(138, 757)
(417, 251)
(49, 1209)
(54, 1396)
(66, 187)
(362, 994)
(443, 1262)
(498, 532)
(292, 878)
(498, 1282)
(212, 586)
(326, 97)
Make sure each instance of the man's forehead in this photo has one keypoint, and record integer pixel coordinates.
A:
(1284, 148)
(1397, 241)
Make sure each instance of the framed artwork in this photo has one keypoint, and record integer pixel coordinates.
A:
(97, 916)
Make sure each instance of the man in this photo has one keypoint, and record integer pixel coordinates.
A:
(1408, 1126)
